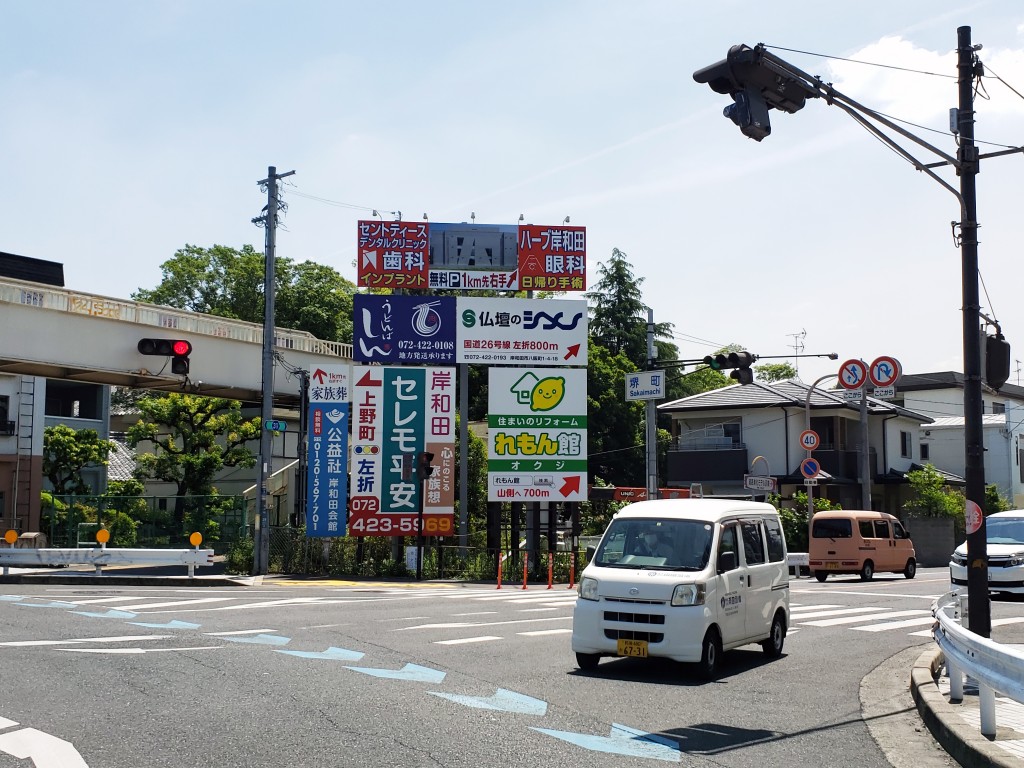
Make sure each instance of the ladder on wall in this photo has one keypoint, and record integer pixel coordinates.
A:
(23, 486)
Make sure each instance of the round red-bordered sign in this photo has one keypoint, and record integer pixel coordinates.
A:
(809, 439)
(810, 468)
(853, 374)
(885, 371)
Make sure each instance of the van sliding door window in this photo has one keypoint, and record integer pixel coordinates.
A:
(753, 543)
(881, 529)
(776, 544)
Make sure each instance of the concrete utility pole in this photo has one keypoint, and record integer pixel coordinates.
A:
(261, 550)
(980, 611)
(652, 417)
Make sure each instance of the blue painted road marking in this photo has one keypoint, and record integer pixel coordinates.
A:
(331, 654)
(504, 700)
(623, 741)
(49, 604)
(410, 672)
(12, 598)
(113, 613)
(259, 640)
(173, 624)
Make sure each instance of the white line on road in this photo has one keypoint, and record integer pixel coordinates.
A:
(460, 641)
(121, 639)
(838, 612)
(240, 632)
(539, 632)
(128, 651)
(897, 624)
(194, 601)
(464, 624)
(855, 619)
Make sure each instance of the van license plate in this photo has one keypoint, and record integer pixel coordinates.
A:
(832, 566)
(636, 648)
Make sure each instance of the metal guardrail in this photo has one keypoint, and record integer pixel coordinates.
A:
(101, 556)
(994, 666)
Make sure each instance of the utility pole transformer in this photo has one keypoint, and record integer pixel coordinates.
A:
(261, 550)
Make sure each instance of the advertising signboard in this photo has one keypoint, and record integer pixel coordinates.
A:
(403, 329)
(499, 331)
(392, 254)
(327, 464)
(537, 434)
(495, 257)
(398, 411)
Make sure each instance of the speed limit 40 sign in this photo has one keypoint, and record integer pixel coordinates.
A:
(809, 439)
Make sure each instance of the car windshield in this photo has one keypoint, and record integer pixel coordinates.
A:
(674, 545)
(1004, 530)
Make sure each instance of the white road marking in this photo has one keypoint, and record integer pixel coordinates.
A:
(129, 651)
(539, 632)
(44, 750)
(195, 601)
(897, 624)
(536, 610)
(122, 639)
(460, 641)
(240, 632)
(464, 624)
(821, 614)
(855, 619)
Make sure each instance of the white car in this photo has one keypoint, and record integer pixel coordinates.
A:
(1004, 542)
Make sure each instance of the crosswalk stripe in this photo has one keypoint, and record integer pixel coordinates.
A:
(460, 641)
(855, 619)
(839, 612)
(897, 624)
(539, 632)
(194, 601)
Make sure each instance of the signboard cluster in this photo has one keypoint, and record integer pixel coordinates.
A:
(398, 404)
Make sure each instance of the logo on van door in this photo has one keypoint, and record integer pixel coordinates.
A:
(731, 601)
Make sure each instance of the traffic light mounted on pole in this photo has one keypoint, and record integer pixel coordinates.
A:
(424, 468)
(176, 349)
(740, 361)
(757, 82)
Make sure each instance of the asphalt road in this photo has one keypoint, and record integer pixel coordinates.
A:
(318, 673)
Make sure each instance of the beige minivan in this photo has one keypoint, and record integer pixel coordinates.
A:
(860, 542)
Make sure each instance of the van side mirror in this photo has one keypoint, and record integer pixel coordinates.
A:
(726, 561)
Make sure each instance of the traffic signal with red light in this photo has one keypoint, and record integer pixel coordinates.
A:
(176, 349)
(424, 468)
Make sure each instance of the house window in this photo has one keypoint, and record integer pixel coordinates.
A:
(924, 452)
(998, 407)
(6, 426)
(906, 445)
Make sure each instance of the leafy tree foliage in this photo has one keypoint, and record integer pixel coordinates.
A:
(614, 425)
(192, 439)
(770, 372)
(995, 501)
(66, 452)
(932, 496)
(227, 282)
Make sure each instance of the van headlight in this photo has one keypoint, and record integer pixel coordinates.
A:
(1017, 558)
(959, 559)
(588, 588)
(688, 594)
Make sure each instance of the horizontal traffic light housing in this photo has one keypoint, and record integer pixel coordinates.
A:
(176, 349)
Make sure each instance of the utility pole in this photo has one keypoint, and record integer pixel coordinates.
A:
(979, 609)
(261, 550)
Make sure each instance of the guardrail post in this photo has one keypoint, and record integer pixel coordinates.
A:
(987, 704)
(956, 681)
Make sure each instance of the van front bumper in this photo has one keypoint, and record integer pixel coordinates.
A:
(671, 632)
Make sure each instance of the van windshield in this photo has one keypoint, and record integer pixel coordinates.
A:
(675, 545)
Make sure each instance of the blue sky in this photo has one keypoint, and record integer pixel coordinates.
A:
(131, 129)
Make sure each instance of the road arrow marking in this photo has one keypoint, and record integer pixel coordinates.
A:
(410, 672)
(50, 604)
(12, 598)
(113, 613)
(331, 654)
(260, 640)
(504, 701)
(622, 741)
(44, 750)
(172, 624)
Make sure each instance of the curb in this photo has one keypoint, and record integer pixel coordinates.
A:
(963, 742)
(139, 581)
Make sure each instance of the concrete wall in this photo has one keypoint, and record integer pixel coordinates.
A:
(934, 539)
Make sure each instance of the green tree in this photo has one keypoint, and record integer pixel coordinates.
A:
(994, 501)
(932, 495)
(615, 429)
(227, 282)
(66, 452)
(191, 438)
(770, 372)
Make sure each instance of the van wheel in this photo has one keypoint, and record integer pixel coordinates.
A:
(868, 571)
(587, 661)
(911, 570)
(772, 647)
(710, 653)
(821, 575)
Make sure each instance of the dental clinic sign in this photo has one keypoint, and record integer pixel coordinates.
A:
(327, 465)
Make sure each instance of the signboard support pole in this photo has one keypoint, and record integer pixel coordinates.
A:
(419, 530)
(865, 453)
(651, 417)
(463, 458)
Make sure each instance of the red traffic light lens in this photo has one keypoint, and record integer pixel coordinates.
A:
(181, 348)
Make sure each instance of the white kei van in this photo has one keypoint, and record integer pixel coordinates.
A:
(684, 579)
